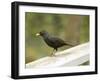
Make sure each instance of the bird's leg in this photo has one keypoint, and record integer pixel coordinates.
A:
(53, 53)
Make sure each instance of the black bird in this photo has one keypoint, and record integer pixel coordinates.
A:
(51, 41)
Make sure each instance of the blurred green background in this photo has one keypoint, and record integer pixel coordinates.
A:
(71, 28)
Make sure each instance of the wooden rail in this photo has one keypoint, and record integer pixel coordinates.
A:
(70, 57)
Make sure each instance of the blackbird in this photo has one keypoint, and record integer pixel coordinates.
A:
(52, 41)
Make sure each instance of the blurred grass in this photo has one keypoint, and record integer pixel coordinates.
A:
(72, 28)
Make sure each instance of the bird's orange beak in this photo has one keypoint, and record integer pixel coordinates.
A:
(37, 34)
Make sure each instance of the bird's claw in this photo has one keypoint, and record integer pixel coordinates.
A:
(52, 55)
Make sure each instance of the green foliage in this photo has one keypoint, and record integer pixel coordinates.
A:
(84, 35)
(72, 28)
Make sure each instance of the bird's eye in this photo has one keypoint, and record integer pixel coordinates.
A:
(41, 33)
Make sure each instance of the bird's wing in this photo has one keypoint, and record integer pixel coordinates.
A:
(57, 40)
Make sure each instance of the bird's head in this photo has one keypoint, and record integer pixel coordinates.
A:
(42, 33)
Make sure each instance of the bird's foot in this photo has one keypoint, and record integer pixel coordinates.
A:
(52, 55)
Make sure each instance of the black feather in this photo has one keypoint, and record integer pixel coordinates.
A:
(53, 42)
